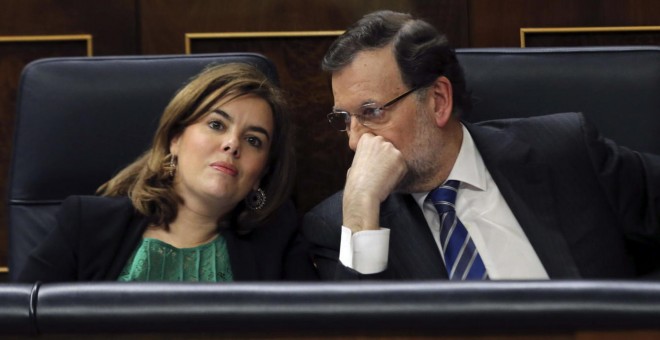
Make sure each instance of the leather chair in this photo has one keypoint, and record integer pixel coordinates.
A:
(17, 308)
(372, 309)
(615, 87)
(79, 121)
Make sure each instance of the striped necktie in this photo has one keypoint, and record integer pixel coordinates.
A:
(461, 256)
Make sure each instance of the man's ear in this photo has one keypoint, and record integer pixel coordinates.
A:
(441, 93)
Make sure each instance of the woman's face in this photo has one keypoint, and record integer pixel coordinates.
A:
(222, 156)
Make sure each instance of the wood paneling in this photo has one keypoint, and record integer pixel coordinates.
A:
(164, 23)
(592, 36)
(112, 24)
(497, 23)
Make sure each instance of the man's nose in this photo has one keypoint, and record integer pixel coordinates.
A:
(355, 131)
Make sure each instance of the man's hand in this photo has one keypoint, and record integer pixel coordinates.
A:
(378, 167)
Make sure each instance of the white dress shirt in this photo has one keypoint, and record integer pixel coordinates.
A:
(501, 242)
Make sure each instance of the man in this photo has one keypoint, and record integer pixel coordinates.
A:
(430, 197)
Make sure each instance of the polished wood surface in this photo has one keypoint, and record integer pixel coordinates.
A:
(301, 337)
(497, 23)
(163, 24)
(591, 36)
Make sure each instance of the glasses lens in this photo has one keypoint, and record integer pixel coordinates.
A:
(339, 120)
(371, 116)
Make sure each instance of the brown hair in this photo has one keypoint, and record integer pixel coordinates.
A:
(147, 180)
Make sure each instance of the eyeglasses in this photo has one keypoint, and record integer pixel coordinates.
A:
(369, 117)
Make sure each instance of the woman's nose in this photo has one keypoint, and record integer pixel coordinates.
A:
(231, 146)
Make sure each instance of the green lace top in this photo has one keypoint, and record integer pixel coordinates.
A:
(155, 260)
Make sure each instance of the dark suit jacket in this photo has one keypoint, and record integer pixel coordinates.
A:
(95, 237)
(589, 208)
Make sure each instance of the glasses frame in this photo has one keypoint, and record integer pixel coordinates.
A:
(360, 118)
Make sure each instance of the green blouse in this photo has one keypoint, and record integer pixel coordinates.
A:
(155, 260)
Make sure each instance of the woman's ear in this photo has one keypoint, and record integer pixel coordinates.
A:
(174, 145)
(443, 105)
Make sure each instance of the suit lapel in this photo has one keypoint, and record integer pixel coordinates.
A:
(241, 256)
(413, 252)
(132, 237)
(525, 183)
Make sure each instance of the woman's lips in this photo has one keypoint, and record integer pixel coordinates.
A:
(225, 168)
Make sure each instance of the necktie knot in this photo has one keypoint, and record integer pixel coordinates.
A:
(444, 196)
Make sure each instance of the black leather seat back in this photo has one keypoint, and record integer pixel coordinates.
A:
(79, 121)
(617, 88)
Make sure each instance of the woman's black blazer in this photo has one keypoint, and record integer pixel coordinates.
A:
(95, 236)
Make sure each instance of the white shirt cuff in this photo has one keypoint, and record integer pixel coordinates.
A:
(365, 251)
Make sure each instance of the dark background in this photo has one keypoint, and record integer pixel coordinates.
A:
(129, 27)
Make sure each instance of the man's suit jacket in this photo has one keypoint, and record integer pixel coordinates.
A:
(95, 237)
(589, 208)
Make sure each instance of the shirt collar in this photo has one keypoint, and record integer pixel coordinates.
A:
(469, 168)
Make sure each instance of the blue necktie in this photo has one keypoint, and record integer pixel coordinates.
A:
(461, 256)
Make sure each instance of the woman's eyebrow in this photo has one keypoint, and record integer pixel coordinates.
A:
(223, 114)
(259, 129)
(254, 128)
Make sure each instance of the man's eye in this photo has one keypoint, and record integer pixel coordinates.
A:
(370, 112)
(216, 125)
(254, 141)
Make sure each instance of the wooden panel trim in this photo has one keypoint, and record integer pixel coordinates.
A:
(275, 34)
(528, 30)
(40, 38)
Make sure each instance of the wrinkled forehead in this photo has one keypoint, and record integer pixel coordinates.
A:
(372, 76)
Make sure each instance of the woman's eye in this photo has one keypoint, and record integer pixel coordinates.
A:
(216, 125)
(254, 141)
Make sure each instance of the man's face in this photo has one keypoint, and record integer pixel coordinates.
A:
(373, 79)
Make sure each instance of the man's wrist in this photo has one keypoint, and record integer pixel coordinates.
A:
(361, 216)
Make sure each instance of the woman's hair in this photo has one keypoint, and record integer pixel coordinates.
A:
(422, 53)
(147, 180)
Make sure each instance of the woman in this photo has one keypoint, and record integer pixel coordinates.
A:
(207, 202)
